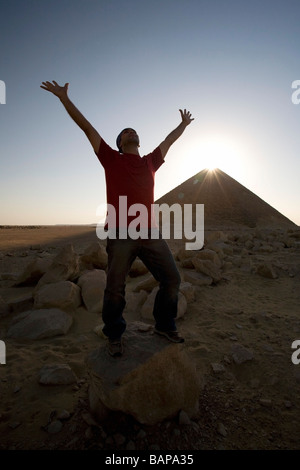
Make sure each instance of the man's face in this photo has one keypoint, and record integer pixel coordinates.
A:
(129, 136)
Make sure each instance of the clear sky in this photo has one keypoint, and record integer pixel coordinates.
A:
(134, 63)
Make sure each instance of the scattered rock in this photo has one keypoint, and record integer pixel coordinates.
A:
(265, 402)
(54, 427)
(188, 290)
(40, 324)
(221, 430)
(266, 270)
(217, 368)
(21, 303)
(63, 415)
(209, 255)
(64, 267)
(241, 354)
(92, 285)
(137, 268)
(94, 256)
(56, 374)
(134, 301)
(147, 308)
(207, 267)
(197, 279)
(64, 295)
(147, 284)
(33, 272)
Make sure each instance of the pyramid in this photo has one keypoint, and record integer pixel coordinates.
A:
(227, 203)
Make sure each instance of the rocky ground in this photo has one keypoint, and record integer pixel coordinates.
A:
(247, 295)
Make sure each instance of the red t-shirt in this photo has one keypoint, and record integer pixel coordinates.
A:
(132, 176)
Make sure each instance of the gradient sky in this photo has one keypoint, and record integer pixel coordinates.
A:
(134, 64)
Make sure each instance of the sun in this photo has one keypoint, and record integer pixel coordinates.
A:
(217, 150)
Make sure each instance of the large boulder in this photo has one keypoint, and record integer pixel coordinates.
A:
(94, 256)
(147, 284)
(154, 379)
(134, 301)
(92, 285)
(34, 271)
(64, 295)
(137, 268)
(64, 267)
(147, 308)
(40, 324)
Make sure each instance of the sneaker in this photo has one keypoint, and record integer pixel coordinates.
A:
(171, 335)
(115, 347)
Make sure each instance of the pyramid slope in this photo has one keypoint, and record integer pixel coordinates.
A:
(226, 202)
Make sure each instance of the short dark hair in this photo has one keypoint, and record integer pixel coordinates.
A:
(118, 141)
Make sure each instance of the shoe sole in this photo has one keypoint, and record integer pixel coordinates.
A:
(166, 335)
(117, 353)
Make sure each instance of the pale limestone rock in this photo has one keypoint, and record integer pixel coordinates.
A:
(183, 254)
(40, 324)
(92, 285)
(197, 279)
(21, 303)
(188, 290)
(152, 381)
(147, 284)
(64, 267)
(64, 295)
(57, 374)
(208, 268)
(187, 263)
(94, 256)
(135, 301)
(241, 354)
(215, 236)
(266, 270)
(33, 272)
(211, 255)
(147, 308)
(137, 268)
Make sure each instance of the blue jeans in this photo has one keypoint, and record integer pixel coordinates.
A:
(157, 257)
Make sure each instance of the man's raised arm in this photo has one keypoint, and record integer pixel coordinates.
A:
(174, 135)
(62, 93)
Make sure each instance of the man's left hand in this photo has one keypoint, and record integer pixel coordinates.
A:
(186, 117)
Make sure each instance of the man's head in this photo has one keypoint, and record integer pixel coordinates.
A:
(127, 136)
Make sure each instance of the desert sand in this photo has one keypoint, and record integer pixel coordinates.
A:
(252, 405)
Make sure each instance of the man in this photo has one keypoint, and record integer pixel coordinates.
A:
(127, 174)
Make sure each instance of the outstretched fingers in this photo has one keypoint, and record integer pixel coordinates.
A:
(186, 116)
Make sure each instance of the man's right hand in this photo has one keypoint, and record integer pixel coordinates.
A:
(57, 90)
